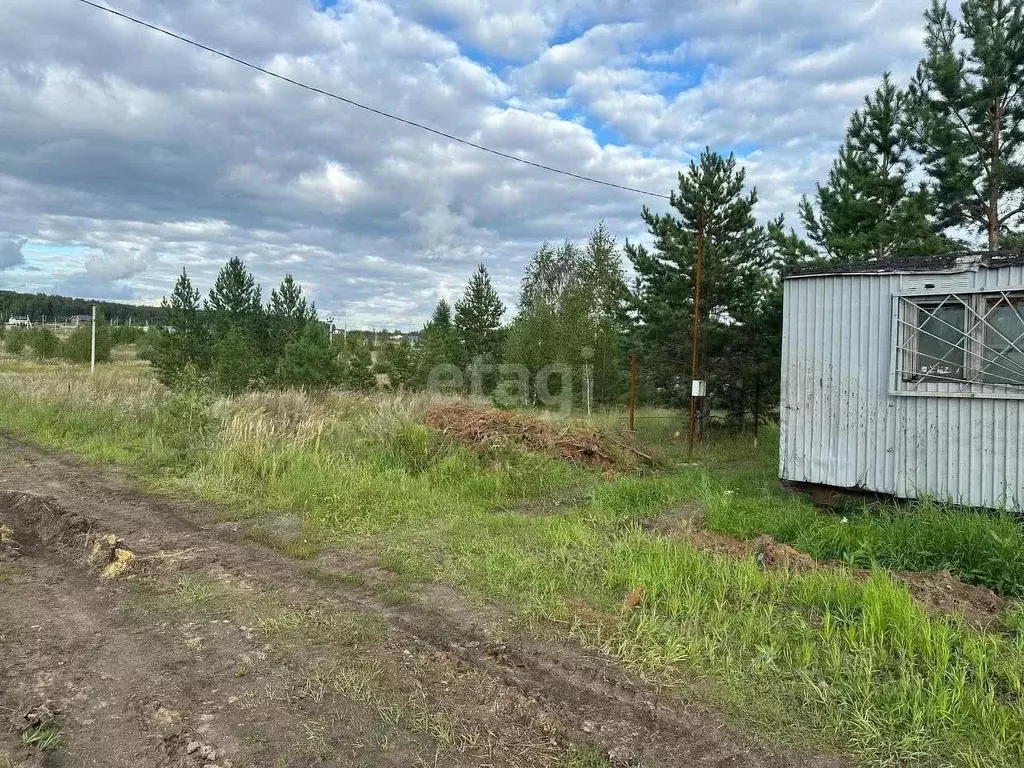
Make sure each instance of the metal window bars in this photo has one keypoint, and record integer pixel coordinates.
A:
(961, 343)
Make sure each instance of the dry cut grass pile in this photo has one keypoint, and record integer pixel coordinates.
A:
(478, 427)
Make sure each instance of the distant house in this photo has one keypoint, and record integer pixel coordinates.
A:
(79, 319)
(411, 338)
(22, 322)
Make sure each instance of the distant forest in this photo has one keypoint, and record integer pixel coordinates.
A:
(40, 306)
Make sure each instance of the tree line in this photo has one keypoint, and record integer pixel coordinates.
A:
(236, 343)
(42, 307)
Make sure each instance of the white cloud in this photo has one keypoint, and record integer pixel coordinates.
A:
(330, 183)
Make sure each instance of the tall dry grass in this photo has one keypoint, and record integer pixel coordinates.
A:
(124, 386)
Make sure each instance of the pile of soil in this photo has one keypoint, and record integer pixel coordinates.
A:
(942, 592)
(480, 428)
(938, 592)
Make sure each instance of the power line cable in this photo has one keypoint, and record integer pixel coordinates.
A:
(367, 108)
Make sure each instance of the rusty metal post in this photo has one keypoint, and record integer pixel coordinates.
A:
(702, 417)
(695, 341)
(632, 394)
(757, 407)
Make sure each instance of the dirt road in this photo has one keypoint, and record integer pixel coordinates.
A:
(213, 650)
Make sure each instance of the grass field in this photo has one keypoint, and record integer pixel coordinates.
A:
(822, 658)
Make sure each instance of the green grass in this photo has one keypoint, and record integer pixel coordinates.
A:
(981, 548)
(45, 738)
(297, 545)
(195, 590)
(824, 658)
(584, 757)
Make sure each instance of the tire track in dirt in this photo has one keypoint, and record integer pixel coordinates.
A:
(557, 693)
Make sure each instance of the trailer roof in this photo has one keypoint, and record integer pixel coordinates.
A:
(962, 261)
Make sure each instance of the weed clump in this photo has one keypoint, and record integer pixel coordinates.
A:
(39, 729)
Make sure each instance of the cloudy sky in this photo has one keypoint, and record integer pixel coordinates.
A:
(126, 155)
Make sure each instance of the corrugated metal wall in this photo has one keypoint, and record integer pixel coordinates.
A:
(841, 427)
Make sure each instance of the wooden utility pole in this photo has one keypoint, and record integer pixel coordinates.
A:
(695, 340)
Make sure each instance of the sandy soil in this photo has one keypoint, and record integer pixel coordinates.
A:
(213, 650)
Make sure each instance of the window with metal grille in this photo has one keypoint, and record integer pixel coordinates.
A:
(1004, 340)
(960, 344)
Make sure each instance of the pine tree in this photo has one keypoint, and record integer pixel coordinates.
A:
(44, 343)
(869, 209)
(442, 317)
(396, 362)
(310, 362)
(15, 341)
(234, 300)
(187, 341)
(478, 318)
(438, 345)
(288, 318)
(737, 278)
(235, 367)
(791, 248)
(288, 312)
(235, 312)
(357, 373)
(969, 114)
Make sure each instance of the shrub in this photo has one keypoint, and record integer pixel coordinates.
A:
(185, 416)
(237, 363)
(126, 334)
(310, 362)
(145, 347)
(77, 347)
(15, 342)
(44, 343)
(358, 373)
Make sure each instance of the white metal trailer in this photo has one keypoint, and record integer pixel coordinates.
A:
(906, 378)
